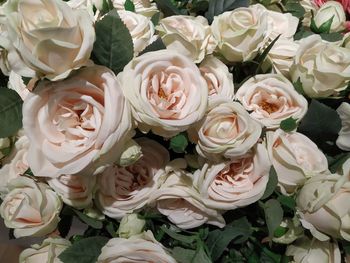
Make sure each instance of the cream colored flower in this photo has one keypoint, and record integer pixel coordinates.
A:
(322, 67)
(131, 225)
(144, 7)
(343, 141)
(124, 190)
(241, 33)
(139, 248)
(270, 99)
(51, 38)
(295, 158)
(31, 208)
(166, 91)
(305, 250)
(331, 10)
(180, 202)
(14, 165)
(323, 205)
(226, 131)
(188, 35)
(76, 125)
(141, 29)
(218, 77)
(236, 183)
(48, 251)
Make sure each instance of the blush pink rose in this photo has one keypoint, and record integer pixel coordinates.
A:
(166, 91)
(76, 125)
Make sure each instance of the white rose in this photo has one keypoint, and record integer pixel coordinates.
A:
(305, 250)
(131, 153)
(310, 8)
(236, 183)
(76, 125)
(188, 35)
(270, 99)
(284, 24)
(241, 33)
(139, 248)
(16, 83)
(75, 190)
(83, 4)
(53, 38)
(144, 7)
(227, 130)
(343, 141)
(123, 190)
(282, 55)
(166, 91)
(329, 10)
(346, 40)
(218, 77)
(141, 29)
(14, 165)
(48, 251)
(295, 158)
(180, 202)
(323, 205)
(130, 225)
(322, 67)
(31, 208)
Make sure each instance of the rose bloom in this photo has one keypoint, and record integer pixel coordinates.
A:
(282, 54)
(322, 67)
(75, 190)
(141, 29)
(166, 91)
(31, 208)
(138, 248)
(236, 183)
(305, 250)
(123, 190)
(188, 35)
(241, 33)
(218, 77)
(271, 98)
(144, 7)
(227, 130)
(295, 158)
(345, 3)
(180, 202)
(53, 38)
(323, 205)
(343, 140)
(14, 165)
(16, 83)
(48, 251)
(76, 125)
(331, 10)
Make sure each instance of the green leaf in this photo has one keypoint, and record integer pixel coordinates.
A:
(154, 46)
(273, 215)
(10, 112)
(321, 123)
(113, 47)
(260, 59)
(336, 162)
(129, 6)
(178, 143)
(239, 231)
(110, 229)
(94, 223)
(287, 201)
(280, 231)
(199, 6)
(295, 8)
(271, 184)
(324, 28)
(217, 7)
(288, 125)
(86, 250)
(200, 256)
(183, 255)
(298, 86)
(302, 33)
(167, 8)
(155, 18)
(332, 37)
(182, 238)
(64, 225)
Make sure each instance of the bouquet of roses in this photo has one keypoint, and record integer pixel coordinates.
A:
(176, 130)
